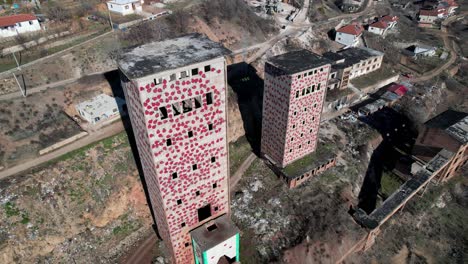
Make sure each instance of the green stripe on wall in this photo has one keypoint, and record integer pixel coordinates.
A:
(194, 253)
(205, 258)
(237, 247)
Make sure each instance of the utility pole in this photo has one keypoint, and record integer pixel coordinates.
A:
(110, 19)
(23, 92)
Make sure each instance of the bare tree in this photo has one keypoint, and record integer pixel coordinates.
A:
(56, 11)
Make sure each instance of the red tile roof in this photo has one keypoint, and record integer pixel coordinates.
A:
(12, 20)
(433, 12)
(353, 29)
(379, 24)
(389, 18)
(398, 89)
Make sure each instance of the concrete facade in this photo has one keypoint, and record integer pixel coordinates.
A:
(176, 97)
(100, 108)
(295, 87)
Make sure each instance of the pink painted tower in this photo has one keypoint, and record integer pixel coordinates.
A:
(295, 87)
(176, 97)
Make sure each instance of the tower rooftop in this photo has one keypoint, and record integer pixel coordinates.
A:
(155, 57)
(298, 61)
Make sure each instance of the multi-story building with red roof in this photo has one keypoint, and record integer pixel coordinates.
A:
(176, 96)
(349, 35)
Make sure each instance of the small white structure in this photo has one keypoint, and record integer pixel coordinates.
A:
(125, 7)
(421, 50)
(18, 24)
(100, 108)
(349, 35)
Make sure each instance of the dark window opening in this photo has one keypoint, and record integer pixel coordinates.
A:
(194, 167)
(216, 208)
(176, 109)
(183, 224)
(184, 74)
(197, 193)
(197, 102)
(297, 94)
(174, 175)
(157, 81)
(187, 106)
(303, 91)
(190, 134)
(187, 244)
(318, 87)
(209, 98)
(210, 126)
(204, 212)
(168, 142)
(163, 112)
(195, 71)
(215, 185)
(211, 227)
(172, 77)
(179, 201)
(213, 159)
(207, 68)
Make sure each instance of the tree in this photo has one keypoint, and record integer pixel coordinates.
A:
(56, 11)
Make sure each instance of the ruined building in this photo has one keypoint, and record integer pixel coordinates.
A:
(295, 87)
(176, 96)
(448, 131)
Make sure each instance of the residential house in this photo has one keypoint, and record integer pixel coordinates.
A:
(125, 7)
(349, 35)
(429, 17)
(18, 24)
(384, 24)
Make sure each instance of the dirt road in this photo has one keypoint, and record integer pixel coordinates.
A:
(448, 44)
(106, 132)
(142, 254)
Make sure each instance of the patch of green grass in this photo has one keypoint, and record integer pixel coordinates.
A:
(127, 226)
(321, 155)
(10, 209)
(389, 183)
(24, 218)
(238, 152)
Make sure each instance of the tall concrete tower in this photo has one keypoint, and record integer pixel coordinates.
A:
(176, 98)
(295, 87)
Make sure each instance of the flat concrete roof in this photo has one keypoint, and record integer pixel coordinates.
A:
(205, 239)
(459, 130)
(154, 57)
(298, 61)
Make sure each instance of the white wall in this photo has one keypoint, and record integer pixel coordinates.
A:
(227, 248)
(376, 30)
(345, 39)
(121, 9)
(20, 28)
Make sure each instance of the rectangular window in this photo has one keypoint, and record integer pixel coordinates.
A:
(157, 81)
(179, 202)
(303, 91)
(318, 87)
(194, 71)
(313, 88)
(187, 106)
(197, 102)
(210, 127)
(168, 142)
(30, 22)
(204, 212)
(194, 167)
(176, 109)
(308, 90)
(163, 112)
(183, 224)
(190, 134)
(197, 193)
(215, 185)
(184, 74)
(209, 98)
(172, 77)
(297, 94)
(174, 175)
(207, 68)
(213, 159)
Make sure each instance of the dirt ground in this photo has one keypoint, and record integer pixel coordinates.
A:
(84, 207)
(28, 126)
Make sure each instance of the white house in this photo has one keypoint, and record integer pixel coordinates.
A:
(18, 24)
(100, 108)
(431, 16)
(383, 25)
(125, 7)
(349, 35)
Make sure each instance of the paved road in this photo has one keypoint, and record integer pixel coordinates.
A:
(106, 132)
